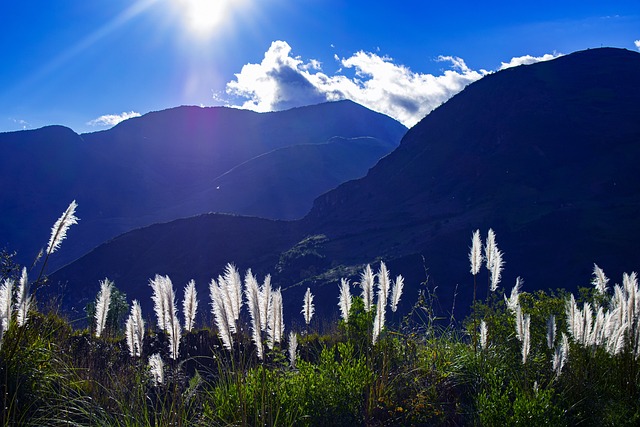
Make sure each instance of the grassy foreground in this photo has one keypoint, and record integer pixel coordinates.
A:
(420, 373)
(547, 358)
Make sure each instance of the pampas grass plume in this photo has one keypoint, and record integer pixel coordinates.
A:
(23, 300)
(59, 229)
(103, 302)
(475, 253)
(307, 306)
(344, 301)
(190, 305)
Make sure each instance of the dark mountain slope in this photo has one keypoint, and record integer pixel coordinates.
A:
(164, 165)
(545, 154)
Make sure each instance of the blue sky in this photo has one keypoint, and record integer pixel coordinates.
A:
(88, 64)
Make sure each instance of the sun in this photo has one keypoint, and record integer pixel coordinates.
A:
(204, 17)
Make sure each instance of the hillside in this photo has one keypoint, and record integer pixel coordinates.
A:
(545, 154)
(167, 165)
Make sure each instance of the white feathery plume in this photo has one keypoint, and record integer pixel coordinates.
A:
(526, 339)
(396, 292)
(561, 354)
(344, 301)
(366, 281)
(551, 331)
(519, 323)
(175, 333)
(630, 283)
(615, 343)
(384, 283)
(600, 281)
(102, 305)
(475, 253)
(483, 334)
(252, 293)
(597, 335)
(565, 348)
(293, 348)
(190, 305)
(265, 302)
(156, 366)
(570, 310)
(6, 306)
(378, 321)
(135, 330)
(219, 311)
(170, 311)
(6, 293)
(513, 300)
(160, 305)
(496, 269)
(307, 306)
(275, 330)
(490, 249)
(587, 318)
(23, 300)
(279, 335)
(234, 289)
(129, 333)
(59, 229)
(226, 295)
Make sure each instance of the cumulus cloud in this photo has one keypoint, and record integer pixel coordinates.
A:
(528, 59)
(112, 119)
(637, 43)
(283, 81)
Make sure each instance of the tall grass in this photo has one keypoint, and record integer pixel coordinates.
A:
(543, 358)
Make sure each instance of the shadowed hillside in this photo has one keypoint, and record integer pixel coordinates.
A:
(545, 154)
(169, 164)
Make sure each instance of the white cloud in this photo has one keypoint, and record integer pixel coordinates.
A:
(112, 119)
(20, 122)
(283, 81)
(637, 43)
(528, 59)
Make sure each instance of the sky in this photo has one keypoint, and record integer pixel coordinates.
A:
(89, 64)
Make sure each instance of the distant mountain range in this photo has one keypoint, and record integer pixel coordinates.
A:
(178, 163)
(545, 154)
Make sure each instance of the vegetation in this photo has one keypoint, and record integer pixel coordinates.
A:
(543, 358)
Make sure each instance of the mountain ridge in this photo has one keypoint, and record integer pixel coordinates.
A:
(152, 168)
(545, 154)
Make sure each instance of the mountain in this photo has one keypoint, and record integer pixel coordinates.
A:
(181, 162)
(545, 154)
